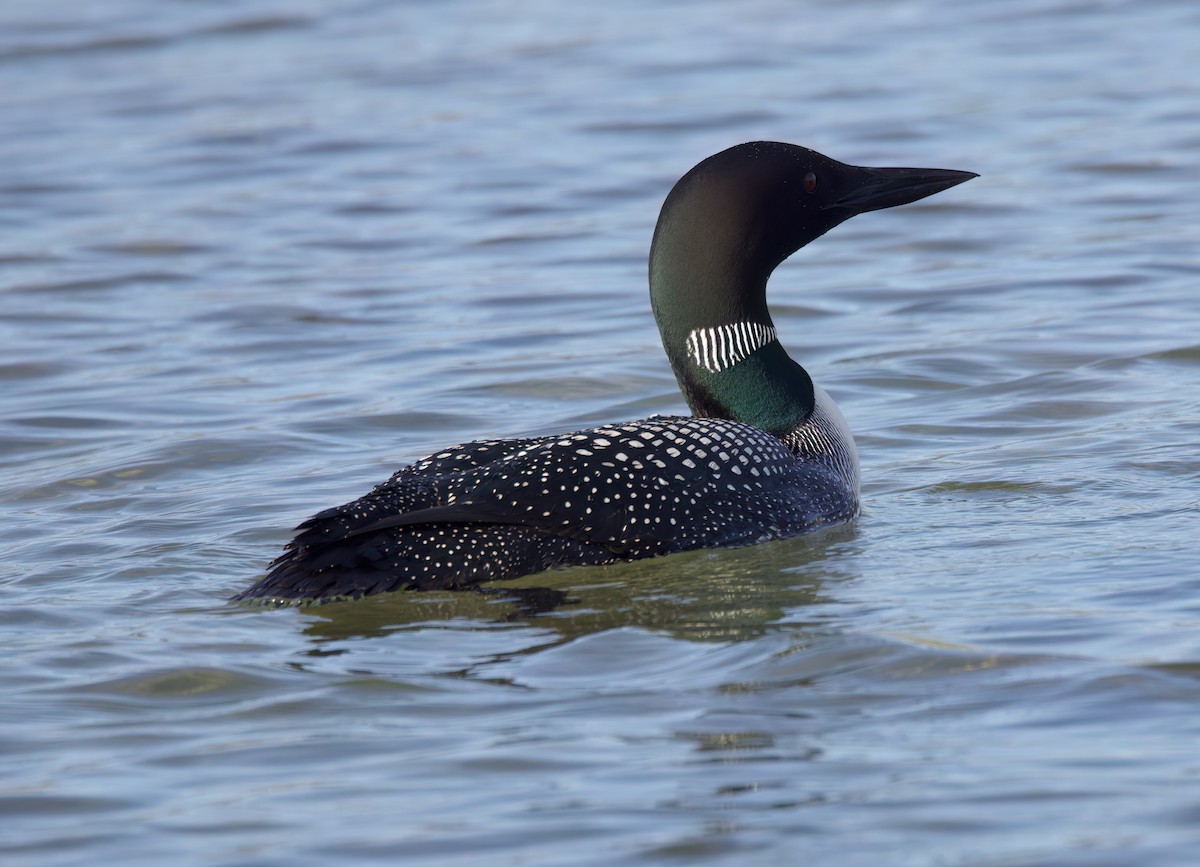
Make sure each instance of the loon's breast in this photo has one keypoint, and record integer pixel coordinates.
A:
(825, 438)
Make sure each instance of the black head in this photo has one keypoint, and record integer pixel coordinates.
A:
(765, 200)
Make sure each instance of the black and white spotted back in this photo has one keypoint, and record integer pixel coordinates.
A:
(497, 509)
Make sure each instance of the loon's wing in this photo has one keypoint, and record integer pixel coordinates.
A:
(491, 510)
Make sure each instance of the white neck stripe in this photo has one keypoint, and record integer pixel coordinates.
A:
(717, 348)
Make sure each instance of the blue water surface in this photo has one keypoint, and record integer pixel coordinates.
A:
(255, 255)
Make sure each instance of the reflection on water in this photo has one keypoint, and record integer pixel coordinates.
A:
(729, 595)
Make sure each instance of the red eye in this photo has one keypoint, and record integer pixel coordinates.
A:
(810, 182)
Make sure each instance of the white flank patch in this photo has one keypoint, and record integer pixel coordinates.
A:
(717, 348)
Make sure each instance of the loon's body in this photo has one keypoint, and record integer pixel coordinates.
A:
(766, 455)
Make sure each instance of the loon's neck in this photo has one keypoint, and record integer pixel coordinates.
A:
(716, 329)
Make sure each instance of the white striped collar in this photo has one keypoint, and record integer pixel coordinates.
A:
(717, 348)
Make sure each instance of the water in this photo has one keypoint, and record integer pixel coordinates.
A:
(255, 255)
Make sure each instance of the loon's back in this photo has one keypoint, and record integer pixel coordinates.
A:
(495, 509)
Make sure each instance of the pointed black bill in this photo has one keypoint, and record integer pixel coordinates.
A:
(886, 188)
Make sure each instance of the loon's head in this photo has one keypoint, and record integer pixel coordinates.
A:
(757, 203)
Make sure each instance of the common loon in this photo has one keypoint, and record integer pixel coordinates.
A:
(766, 453)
